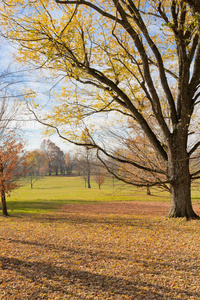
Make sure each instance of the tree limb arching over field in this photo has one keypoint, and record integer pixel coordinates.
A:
(132, 61)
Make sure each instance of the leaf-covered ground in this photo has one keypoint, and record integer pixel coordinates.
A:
(104, 251)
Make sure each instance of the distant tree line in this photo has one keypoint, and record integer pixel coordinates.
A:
(51, 160)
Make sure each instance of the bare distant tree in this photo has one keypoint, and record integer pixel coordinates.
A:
(99, 175)
(37, 166)
(70, 163)
(85, 162)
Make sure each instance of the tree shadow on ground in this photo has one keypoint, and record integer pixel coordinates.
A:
(54, 278)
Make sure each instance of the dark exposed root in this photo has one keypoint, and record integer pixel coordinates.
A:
(189, 216)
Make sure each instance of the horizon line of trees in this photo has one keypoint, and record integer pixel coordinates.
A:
(51, 160)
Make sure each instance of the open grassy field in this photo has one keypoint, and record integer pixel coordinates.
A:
(53, 192)
(66, 242)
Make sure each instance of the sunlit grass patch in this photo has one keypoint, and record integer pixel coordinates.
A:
(51, 193)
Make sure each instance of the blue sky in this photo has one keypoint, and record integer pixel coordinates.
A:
(31, 130)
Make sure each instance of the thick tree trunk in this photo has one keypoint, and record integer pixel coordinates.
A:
(4, 205)
(179, 174)
(181, 205)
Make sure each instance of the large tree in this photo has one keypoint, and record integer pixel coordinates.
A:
(128, 59)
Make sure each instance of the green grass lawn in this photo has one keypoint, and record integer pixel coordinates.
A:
(51, 193)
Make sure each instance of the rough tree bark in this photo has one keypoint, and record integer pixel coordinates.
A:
(180, 178)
